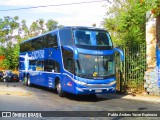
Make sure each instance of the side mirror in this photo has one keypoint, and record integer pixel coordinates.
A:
(75, 51)
(121, 53)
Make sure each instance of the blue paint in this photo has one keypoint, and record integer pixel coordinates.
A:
(158, 65)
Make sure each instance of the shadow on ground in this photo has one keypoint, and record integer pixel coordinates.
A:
(88, 98)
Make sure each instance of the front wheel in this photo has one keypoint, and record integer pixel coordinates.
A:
(59, 89)
(93, 95)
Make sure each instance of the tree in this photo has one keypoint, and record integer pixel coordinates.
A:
(34, 29)
(8, 28)
(52, 24)
(24, 29)
(126, 21)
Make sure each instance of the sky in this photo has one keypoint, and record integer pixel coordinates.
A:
(67, 15)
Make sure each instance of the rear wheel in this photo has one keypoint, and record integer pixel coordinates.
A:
(4, 80)
(59, 89)
(28, 81)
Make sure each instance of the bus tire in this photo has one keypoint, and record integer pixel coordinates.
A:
(60, 92)
(93, 96)
(28, 81)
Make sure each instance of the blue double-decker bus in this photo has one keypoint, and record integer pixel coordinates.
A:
(78, 60)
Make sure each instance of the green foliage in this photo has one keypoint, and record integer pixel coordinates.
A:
(8, 27)
(126, 21)
(52, 24)
(154, 6)
(135, 66)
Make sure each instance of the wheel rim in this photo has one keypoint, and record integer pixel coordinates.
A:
(58, 87)
(28, 81)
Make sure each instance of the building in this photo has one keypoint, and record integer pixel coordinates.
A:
(152, 75)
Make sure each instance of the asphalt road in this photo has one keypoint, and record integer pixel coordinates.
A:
(18, 97)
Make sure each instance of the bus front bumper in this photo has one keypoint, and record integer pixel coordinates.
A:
(95, 90)
(86, 86)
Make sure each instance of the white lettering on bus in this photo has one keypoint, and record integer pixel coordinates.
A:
(26, 61)
(37, 54)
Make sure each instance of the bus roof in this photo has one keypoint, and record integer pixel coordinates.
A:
(84, 27)
(71, 27)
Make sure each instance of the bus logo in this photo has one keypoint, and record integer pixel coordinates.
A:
(37, 54)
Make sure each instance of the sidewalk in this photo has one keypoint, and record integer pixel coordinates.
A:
(146, 98)
(13, 89)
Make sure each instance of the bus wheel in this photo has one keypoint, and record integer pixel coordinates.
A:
(28, 81)
(59, 89)
(93, 96)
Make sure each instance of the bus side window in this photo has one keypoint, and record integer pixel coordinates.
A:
(69, 64)
(32, 65)
(57, 67)
(38, 43)
(68, 61)
(40, 66)
(45, 41)
(51, 66)
(65, 36)
(52, 41)
(46, 65)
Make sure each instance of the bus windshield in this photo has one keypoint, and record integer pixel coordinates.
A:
(91, 66)
(92, 37)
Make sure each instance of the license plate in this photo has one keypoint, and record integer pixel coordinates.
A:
(98, 90)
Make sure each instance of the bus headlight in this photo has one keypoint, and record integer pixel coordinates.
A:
(80, 82)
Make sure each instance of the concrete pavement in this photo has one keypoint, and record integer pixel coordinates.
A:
(21, 90)
(146, 98)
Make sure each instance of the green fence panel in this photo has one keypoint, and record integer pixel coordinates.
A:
(130, 74)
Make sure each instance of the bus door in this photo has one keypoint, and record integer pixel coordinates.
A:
(52, 69)
(40, 77)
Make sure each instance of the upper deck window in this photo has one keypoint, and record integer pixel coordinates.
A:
(65, 36)
(92, 38)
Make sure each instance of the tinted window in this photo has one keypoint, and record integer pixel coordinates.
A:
(65, 36)
(38, 43)
(92, 38)
(49, 40)
(40, 66)
(33, 65)
(45, 41)
(68, 61)
(51, 66)
(52, 41)
(26, 47)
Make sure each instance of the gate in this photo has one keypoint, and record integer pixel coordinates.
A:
(130, 73)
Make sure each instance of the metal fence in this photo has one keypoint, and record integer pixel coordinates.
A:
(130, 73)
